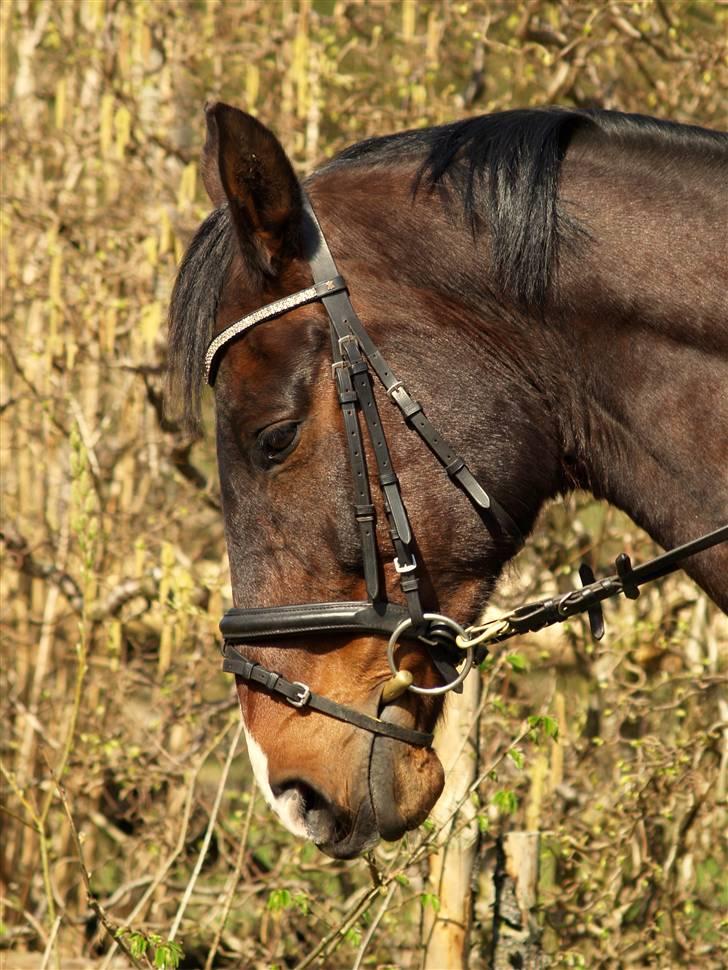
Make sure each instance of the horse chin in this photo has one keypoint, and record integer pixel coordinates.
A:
(403, 785)
(404, 781)
(361, 836)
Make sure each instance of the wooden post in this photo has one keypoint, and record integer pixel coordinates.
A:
(446, 930)
(516, 933)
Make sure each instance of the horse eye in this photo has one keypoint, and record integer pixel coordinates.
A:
(277, 441)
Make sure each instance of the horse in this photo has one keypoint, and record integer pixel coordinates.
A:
(552, 284)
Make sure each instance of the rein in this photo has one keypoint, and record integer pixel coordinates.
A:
(355, 358)
(535, 616)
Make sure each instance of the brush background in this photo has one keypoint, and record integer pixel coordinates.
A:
(114, 571)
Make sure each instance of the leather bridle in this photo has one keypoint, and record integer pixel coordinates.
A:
(355, 358)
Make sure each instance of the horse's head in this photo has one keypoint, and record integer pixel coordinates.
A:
(416, 281)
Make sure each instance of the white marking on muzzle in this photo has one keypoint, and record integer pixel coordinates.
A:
(288, 806)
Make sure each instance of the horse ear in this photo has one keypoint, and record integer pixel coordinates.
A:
(244, 164)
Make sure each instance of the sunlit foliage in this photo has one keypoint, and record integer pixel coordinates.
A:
(114, 571)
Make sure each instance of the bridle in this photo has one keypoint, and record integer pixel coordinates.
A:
(355, 358)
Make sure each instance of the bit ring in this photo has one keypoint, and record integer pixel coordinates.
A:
(404, 625)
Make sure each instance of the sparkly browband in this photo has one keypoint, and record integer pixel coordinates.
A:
(267, 312)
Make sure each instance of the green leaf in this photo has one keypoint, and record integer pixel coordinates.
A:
(517, 662)
(430, 899)
(516, 757)
(353, 936)
(542, 722)
(138, 944)
(278, 899)
(167, 955)
(300, 901)
(505, 801)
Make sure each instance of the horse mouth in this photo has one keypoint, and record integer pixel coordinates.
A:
(404, 781)
(360, 836)
(403, 784)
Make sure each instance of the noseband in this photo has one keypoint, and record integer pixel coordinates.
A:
(355, 358)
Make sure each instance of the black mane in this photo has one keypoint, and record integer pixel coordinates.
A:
(193, 309)
(503, 168)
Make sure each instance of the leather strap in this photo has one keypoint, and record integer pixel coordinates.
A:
(343, 317)
(532, 617)
(300, 696)
(279, 622)
(364, 512)
(399, 526)
(353, 354)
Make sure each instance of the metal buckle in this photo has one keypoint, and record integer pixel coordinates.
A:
(395, 387)
(405, 569)
(305, 695)
(337, 365)
(347, 338)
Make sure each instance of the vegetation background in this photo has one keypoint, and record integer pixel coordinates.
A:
(114, 571)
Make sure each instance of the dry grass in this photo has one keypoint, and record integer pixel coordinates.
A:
(114, 571)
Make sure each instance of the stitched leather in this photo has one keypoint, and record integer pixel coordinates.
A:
(341, 312)
(353, 354)
(275, 622)
(268, 312)
(363, 508)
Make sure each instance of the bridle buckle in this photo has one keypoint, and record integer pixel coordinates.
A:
(304, 698)
(408, 568)
(398, 385)
(348, 338)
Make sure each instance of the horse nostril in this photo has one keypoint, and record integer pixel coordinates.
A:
(314, 809)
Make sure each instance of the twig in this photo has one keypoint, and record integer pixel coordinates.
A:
(29, 918)
(88, 443)
(373, 926)
(170, 860)
(39, 826)
(108, 924)
(122, 891)
(208, 834)
(423, 848)
(18, 818)
(233, 882)
(25, 563)
(373, 869)
(338, 933)
(50, 944)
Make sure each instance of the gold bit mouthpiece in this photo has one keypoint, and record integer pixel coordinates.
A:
(395, 687)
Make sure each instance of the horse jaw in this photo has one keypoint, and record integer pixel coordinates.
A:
(404, 781)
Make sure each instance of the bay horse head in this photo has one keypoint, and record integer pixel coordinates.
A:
(472, 257)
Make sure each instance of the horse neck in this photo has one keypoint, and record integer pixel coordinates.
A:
(644, 395)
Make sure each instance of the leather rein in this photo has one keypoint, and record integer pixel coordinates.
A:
(355, 358)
